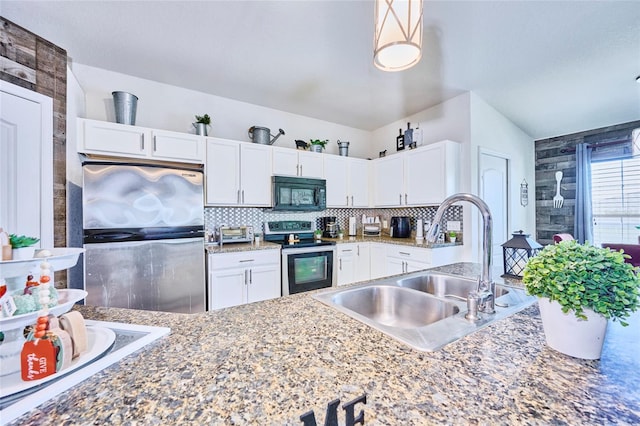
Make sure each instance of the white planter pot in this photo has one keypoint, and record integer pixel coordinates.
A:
(23, 253)
(572, 336)
(452, 239)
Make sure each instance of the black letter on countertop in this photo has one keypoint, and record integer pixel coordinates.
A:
(349, 409)
(331, 419)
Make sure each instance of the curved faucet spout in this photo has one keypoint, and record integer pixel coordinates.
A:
(486, 283)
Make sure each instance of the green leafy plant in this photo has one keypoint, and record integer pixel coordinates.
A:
(20, 241)
(319, 142)
(204, 119)
(580, 276)
(452, 234)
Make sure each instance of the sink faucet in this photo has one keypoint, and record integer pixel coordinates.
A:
(486, 286)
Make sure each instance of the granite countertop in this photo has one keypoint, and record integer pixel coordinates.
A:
(268, 363)
(389, 240)
(265, 245)
(238, 247)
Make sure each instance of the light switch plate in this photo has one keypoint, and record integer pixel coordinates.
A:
(453, 225)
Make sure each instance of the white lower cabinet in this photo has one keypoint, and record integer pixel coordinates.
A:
(378, 260)
(243, 277)
(346, 263)
(353, 263)
(403, 259)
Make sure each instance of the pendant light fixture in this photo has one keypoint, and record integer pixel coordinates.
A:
(398, 34)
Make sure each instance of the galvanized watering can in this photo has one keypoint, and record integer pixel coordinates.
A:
(262, 135)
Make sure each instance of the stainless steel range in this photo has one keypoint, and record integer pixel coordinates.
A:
(307, 264)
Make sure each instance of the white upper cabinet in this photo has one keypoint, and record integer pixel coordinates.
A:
(237, 173)
(389, 181)
(347, 181)
(337, 180)
(432, 173)
(292, 162)
(422, 176)
(121, 140)
(172, 146)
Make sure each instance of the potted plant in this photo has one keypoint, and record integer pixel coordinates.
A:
(452, 236)
(579, 288)
(317, 145)
(202, 121)
(22, 246)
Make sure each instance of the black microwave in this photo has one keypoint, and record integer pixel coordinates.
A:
(299, 194)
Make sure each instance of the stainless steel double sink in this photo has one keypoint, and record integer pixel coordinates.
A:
(425, 310)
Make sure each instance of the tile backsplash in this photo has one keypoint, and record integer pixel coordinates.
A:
(234, 216)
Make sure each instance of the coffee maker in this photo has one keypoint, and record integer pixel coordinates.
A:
(329, 227)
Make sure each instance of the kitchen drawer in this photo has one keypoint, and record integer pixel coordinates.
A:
(413, 254)
(244, 259)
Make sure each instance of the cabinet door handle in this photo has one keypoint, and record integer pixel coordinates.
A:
(358, 250)
(250, 276)
(154, 144)
(243, 196)
(341, 264)
(400, 195)
(247, 260)
(238, 197)
(405, 253)
(245, 277)
(351, 201)
(347, 200)
(405, 199)
(346, 250)
(300, 169)
(297, 169)
(142, 142)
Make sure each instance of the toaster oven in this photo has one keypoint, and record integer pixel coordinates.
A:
(235, 234)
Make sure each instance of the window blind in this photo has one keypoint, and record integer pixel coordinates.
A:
(615, 186)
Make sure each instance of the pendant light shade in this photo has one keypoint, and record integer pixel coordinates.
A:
(398, 36)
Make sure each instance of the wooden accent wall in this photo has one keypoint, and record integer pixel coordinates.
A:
(36, 64)
(549, 160)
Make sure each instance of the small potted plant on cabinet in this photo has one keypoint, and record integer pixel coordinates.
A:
(22, 246)
(317, 145)
(579, 288)
(452, 235)
(202, 121)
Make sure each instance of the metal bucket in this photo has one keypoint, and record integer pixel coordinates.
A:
(125, 105)
(343, 148)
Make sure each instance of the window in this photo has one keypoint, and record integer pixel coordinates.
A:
(615, 192)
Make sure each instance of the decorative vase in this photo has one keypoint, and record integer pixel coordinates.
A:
(23, 253)
(570, 335)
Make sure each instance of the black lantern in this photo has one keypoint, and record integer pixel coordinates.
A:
(517, 252)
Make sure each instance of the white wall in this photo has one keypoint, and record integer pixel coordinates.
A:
(75, 108)
(491, 131)
(162, 106)
(448, 120)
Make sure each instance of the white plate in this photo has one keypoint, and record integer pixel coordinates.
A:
(66, 299)
(60, 259)
(100, 340)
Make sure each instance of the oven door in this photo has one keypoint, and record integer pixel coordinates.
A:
(309, 268)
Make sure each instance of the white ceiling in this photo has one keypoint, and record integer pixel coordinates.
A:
(551, 67)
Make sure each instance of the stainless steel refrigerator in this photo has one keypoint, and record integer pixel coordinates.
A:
(144, 237)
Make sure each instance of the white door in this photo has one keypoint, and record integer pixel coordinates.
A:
(26, 163)
(359, 182)
(494, 173)
(264, 283)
